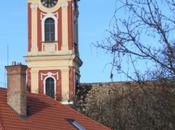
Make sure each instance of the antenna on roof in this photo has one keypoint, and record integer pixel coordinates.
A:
(7, 54)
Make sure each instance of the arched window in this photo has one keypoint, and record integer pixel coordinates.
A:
(50, 91)
(49, 30)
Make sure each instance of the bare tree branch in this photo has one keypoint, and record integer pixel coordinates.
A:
(143, 19)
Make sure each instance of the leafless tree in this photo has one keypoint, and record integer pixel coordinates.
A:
(143, 31)
(130, 107)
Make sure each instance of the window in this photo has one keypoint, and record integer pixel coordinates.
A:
(49, 30)
(50, 91)
(76, 124)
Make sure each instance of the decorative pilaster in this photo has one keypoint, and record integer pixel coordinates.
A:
(34, 27)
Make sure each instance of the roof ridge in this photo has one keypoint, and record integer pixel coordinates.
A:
(114, 82)
(2, 88)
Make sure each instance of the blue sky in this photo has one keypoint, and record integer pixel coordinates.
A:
(94, 19)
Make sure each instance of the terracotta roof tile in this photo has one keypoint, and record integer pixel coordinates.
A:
(44, 114)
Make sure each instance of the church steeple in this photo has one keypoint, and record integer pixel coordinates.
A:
(53, 55)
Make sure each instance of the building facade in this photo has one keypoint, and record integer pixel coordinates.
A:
(53, 56)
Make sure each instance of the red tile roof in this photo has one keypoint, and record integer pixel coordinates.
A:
(44, 114)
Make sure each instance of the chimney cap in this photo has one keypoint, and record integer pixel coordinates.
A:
(18, 68)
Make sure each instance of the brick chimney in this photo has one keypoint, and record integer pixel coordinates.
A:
(16, 91)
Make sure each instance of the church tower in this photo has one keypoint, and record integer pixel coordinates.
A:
(53, 56)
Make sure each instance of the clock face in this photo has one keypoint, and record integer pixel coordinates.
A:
(49, 3)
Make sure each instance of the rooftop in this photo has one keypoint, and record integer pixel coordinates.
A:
(44, 113)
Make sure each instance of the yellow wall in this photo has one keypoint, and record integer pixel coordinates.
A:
(37, 4)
